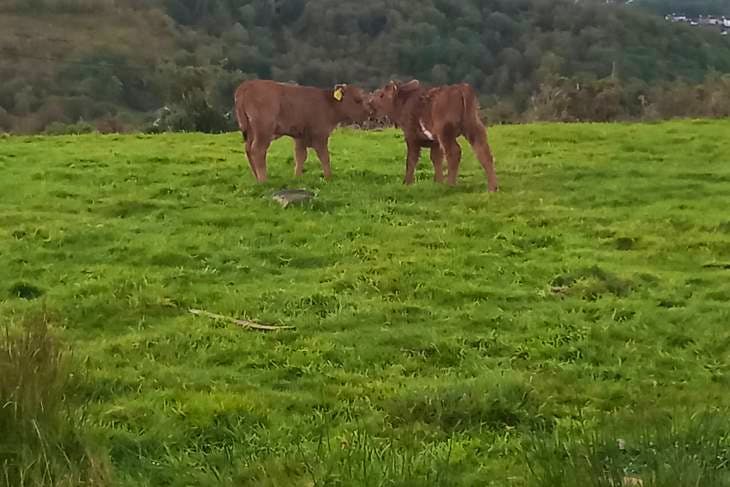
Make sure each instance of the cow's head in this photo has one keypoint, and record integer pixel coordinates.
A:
(383, 99)
(352, 102)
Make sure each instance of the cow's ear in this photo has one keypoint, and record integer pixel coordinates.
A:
(410, 86)
(339, 92)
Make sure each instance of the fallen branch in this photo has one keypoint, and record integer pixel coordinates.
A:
(244, 323)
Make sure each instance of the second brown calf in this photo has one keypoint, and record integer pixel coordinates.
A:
(435, 118)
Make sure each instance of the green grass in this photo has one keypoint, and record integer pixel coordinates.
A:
(444, 336)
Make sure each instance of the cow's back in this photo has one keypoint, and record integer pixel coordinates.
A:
(284, 108)
(448, 104)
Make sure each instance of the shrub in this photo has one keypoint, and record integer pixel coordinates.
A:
(6, 121)
(110, 125)
(60, 128)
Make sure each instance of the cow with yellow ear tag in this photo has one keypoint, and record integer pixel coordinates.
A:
(267, 110)
(350, 101)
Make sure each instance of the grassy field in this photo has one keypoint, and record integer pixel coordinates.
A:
(443, 336)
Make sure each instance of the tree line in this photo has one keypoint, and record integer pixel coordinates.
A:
(529, 59)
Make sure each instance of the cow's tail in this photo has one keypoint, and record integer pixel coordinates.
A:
(470, 118)
(240, 111)
(476, 132)
(244, 124)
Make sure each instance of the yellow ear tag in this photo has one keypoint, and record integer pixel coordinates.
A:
(338, 94)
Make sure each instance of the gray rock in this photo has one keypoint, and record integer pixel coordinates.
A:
(287, 197)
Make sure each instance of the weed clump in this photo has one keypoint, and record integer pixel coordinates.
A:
(664, 453)
(490, 402)
(24, 290)
(42, 443)
(591, 283)
(361, 459)
(626, 243)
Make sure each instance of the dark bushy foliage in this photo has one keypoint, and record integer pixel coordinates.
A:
(529, 59)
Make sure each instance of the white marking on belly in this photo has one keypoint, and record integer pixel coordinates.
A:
(428, 134)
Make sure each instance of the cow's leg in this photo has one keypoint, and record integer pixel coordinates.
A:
(414, 152)
(259, 148)
(300, 156)
(320, 146)
(478, 139)
(453, 158)
(437, 158)
(248, 142)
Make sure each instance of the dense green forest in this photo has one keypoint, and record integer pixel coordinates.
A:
(117, 62)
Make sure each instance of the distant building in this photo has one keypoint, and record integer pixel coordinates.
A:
(709, 21)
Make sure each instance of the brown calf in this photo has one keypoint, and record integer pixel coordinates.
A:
(267, 110)
(434, 118)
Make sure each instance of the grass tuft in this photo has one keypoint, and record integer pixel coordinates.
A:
(359, 459)
(685, 452)
(489, 402)
(42, 443)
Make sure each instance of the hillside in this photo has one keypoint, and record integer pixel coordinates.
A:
(71, 59)
(69, 65)
(444, 337)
